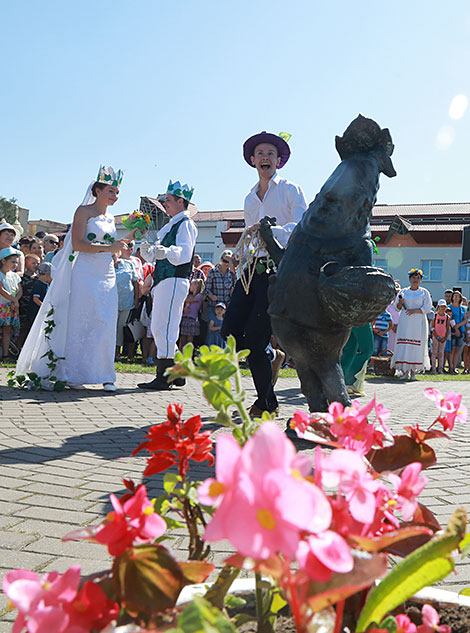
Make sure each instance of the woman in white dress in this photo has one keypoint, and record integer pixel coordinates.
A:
(411, 346)
(75, 329)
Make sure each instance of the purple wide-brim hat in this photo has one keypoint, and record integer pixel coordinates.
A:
(266, 137)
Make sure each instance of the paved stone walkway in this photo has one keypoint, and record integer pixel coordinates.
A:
(62, 454)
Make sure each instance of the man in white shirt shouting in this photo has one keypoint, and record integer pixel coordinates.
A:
(247, 315)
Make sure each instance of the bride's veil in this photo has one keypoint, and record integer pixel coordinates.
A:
(54, 312)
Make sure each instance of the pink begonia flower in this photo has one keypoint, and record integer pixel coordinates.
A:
(348, 471)
(431, 621)
(404, 624)
(212, 491)
(142, 517)
(322, 554)
(382, 414)
(300, 423)
(277, 451)
(408, 487)
(351, 427)
(39, 600)
(135, 521)
(25, 588)
(267, 502)
(447, 403)
(450, 406)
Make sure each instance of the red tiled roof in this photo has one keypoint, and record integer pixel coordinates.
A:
(218, 216)
(445, 209)
(383, 228)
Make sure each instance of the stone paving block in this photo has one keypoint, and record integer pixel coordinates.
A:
(40, 528)
(63, 492)
(49, 501)
(8, 508)
(13, 540)
(87, 566)
(71, 482)
(53, 514)
(71, 549)
(23, 560)
(11, 495)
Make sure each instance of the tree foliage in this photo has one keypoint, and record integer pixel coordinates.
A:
(8, 209)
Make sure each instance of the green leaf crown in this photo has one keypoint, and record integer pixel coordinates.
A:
(108, 176)
(179, 190)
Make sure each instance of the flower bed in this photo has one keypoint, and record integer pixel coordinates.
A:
(320, 533)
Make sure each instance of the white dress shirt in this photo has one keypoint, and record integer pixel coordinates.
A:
(284, 200)
(186, 237)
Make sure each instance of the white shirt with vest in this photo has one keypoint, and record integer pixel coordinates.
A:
(169, 294)
(182, 251)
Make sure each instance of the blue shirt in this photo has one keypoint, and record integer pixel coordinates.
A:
(382, 322)
(125, 276)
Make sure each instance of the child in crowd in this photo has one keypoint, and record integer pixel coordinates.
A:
(149, 349)
(448, 345)
(440, 330)
(380, 328)
(127, 282)
(466, 352)
(39, 290)
(10, 294)
(213, 336)
(189, 327)
(31, 265)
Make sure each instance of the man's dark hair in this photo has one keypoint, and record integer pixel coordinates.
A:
(254, 148)
(40, 234)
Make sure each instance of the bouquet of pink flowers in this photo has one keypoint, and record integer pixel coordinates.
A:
(137, 220)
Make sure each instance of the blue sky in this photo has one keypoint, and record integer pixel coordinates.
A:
(171, 89)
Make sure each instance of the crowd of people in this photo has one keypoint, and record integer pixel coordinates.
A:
(421, 336)
(58, 292)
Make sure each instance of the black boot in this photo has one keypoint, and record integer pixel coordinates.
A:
(160, 382)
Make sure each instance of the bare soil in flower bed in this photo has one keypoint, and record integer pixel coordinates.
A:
(455, 616)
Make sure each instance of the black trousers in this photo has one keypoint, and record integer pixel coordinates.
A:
(248, 320)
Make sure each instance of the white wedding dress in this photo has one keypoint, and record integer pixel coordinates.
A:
(83, 296)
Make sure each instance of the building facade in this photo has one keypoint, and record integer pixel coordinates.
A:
(426, 236)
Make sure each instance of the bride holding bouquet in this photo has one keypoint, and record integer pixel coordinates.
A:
(74, 334)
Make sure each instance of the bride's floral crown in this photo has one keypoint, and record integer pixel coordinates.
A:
(108, 176)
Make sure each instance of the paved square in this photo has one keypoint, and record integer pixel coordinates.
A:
(62, 454)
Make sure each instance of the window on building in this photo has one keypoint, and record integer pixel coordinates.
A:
(205, 257)
(432, 269)
(381, 263)
(464, 273)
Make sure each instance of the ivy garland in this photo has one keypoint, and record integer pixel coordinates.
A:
(32, 381)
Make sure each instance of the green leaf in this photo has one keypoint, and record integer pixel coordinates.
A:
(148, 578)
(196, 571)
(423, 567)
(170, 481)
(201, 617)
(215, 396)
(234, 602)
(465, 592)
(278, 602)
(464, 546)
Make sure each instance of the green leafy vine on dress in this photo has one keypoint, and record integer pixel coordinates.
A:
(32, 381)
